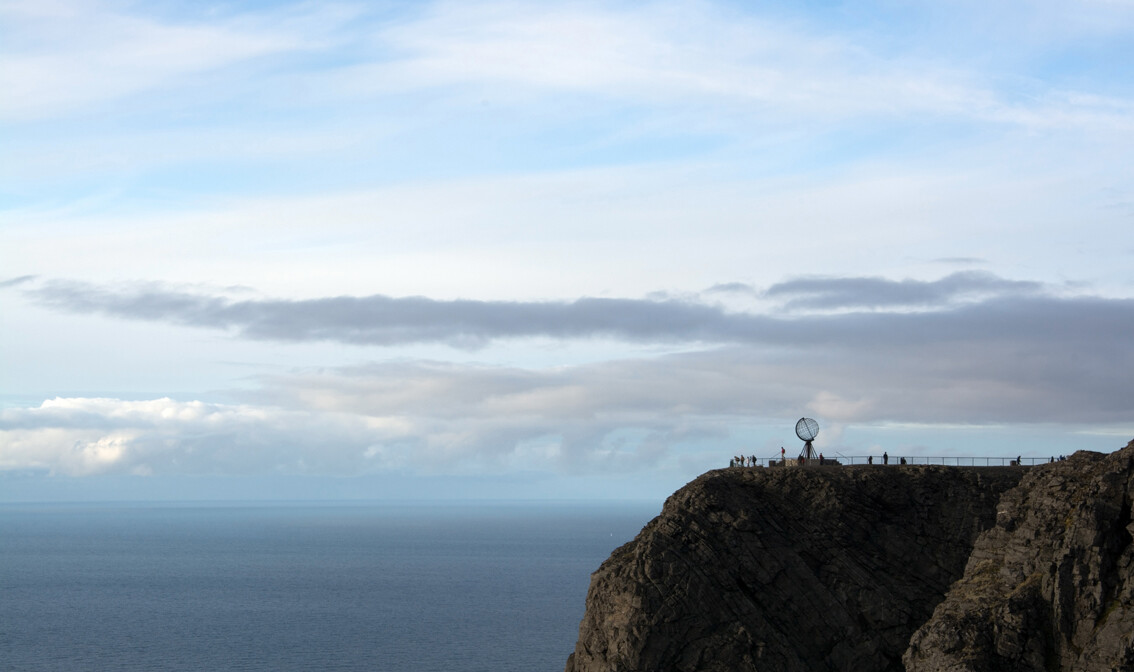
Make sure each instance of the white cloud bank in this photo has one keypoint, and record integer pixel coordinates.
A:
(85, 436)
(92, 436)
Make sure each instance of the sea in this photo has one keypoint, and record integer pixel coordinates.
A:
(453, 587)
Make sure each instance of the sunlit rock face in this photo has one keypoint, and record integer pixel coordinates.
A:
(837, 568)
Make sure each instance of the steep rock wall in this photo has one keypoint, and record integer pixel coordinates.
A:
(824, 568)
(1051, 585)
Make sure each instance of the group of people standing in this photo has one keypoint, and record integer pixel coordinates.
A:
(752, 460)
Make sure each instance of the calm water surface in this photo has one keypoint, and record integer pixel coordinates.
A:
(446, 588)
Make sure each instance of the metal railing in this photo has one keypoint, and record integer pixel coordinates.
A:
(897, 460)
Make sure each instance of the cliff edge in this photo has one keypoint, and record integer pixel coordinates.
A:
(837, 568)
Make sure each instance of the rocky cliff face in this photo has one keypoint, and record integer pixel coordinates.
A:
(835, 568)
(1051, 585)
(787, 569)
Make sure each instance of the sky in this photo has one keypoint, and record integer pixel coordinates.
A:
(560, 250)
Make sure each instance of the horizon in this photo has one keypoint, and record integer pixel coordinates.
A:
(530, 250)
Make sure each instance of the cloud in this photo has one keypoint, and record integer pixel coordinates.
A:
(741, 64)
(1075, 328)
(961, 261)
(265, 85)
(582, 411)
(383, 320)
(732, 288)
(923, 381)
(834, 407)
(71, 55)
(858, 293)
(90, 436)
(665, 54)
(1006, 354)
(993, 310)
(620, 415)
(12, 282)
(86, 436)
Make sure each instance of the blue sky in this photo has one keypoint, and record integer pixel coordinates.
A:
(553, 249)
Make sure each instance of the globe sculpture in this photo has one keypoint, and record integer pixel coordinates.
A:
(807, 429)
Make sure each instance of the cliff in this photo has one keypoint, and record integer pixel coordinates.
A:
(1051, 585)
(836, 568)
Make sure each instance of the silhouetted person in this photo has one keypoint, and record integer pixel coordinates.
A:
(870, 459)
(885, 458)
(902, 461)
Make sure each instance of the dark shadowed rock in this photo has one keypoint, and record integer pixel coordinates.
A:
(1051, 585)
(826, 568)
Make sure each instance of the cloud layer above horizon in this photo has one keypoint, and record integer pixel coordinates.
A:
(576, 238)
(969, 348)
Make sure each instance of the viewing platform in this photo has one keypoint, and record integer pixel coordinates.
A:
(896, 460)
(807, 429)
